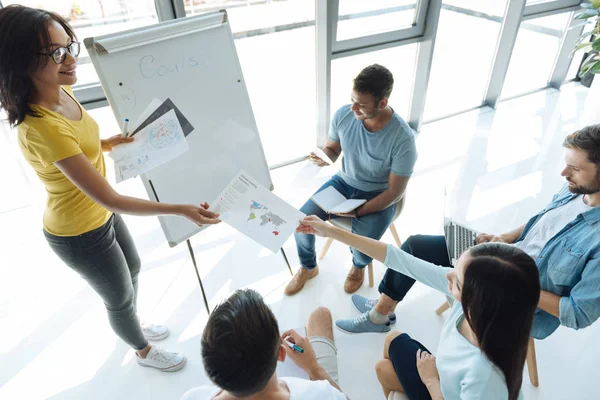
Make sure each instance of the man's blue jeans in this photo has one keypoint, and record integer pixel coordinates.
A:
(371, 225)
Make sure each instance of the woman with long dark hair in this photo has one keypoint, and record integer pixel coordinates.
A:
(483, 344)
(61, 142)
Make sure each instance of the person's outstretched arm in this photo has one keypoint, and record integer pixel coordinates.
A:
(394, 258)
(82, 173)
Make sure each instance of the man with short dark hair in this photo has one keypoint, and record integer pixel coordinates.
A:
(563, 239)
(379, 156)
(241, 346)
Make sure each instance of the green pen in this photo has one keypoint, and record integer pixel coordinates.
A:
(295, 347)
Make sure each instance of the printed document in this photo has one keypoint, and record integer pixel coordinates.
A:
(154, 145)
(254, 211)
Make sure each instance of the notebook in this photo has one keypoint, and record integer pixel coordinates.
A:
(334, 202)
(289, 368)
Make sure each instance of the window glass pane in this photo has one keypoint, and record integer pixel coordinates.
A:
(94, 18)
(357, 18)
(279, 70)
(261, 15)
(534, 54)
(462, 60)
(399, 60)
(477, 7)
(275, 42)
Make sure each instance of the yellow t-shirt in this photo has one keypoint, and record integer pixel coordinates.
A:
(51, 138)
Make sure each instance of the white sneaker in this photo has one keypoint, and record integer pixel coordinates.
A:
(162, 360)
(155, 332)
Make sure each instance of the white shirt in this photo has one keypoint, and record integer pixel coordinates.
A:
(550, 224)
(300, 389)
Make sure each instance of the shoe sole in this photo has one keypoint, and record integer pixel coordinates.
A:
(359, 333)
(172, 368)
(158, 337)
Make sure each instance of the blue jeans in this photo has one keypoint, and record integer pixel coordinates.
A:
(428, 248)
(371, 225)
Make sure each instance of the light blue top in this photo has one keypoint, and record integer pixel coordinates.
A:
(569, 266)
(369, 157)
(465, 372)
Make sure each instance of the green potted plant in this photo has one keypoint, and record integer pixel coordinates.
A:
(589, 42)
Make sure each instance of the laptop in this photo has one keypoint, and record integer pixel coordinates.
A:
(458, 237)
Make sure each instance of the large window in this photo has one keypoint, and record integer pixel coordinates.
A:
(534, 54)
(275, 41)
(93, 18)
(399, 60)
(462, 60)
(359, 18)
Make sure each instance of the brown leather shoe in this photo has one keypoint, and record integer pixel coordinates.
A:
(354, 280)
(299, 279)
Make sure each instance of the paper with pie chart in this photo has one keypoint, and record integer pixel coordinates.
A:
(256, 212)
(154, 145)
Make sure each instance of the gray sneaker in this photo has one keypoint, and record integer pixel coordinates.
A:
(363, 304)
(361, 324)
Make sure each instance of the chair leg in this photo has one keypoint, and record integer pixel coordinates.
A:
(395, 235)
(440, 310)
(532, 363)
(370, 270)
(325, 248)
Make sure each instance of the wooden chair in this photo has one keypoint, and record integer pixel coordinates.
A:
(531, 358)
(346, 223)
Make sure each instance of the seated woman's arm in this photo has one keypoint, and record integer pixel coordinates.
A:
(394, 258)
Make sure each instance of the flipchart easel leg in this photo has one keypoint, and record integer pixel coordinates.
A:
(286, 261)
(198, 275)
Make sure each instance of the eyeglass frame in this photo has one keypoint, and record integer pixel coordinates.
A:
(67, 49)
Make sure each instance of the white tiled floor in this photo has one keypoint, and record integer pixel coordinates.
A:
(498, 168)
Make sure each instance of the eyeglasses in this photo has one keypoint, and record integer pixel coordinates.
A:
(60, 54)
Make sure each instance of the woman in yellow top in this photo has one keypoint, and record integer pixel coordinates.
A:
(38, 60)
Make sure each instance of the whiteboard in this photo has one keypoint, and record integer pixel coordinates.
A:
(192, 61)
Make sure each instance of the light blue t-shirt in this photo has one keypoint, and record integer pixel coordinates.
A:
(465, 372)
(369, 157)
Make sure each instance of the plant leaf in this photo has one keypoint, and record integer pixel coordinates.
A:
(596, 44)
(587, 6)
(595, 68)
(587, 46)
(596, 4)
(586, 14)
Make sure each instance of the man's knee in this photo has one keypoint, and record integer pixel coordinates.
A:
(321, 314)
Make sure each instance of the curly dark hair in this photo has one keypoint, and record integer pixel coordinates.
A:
(376, 80)
(23, 36)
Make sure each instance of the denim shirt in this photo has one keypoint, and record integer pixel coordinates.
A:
(569, 266)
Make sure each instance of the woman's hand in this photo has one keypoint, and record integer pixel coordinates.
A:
(108, 144)
(200, 215)
(427, 368)
(314, 225)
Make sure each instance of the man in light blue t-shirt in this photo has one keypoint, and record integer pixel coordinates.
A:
(379, 156)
